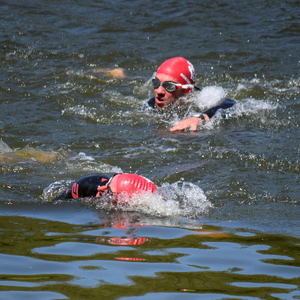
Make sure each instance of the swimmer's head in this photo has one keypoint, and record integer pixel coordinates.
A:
(180, 69)
(128, 185)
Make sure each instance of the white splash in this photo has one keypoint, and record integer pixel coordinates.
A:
(171, 200)
(253, 107)
(54, 189)
(209, 96)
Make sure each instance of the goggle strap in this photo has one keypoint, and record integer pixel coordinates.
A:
(187, 86)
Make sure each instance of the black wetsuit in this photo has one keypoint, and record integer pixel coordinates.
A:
(83, 187)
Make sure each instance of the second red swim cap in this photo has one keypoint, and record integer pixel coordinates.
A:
(131, 184)
(180, 69)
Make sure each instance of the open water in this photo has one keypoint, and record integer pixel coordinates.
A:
(227, 226)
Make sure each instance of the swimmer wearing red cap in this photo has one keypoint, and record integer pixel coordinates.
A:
(121, 187)
(173, 79)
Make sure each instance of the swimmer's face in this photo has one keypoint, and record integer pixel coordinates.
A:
(162, 97)
(102, 190)
(109, 188)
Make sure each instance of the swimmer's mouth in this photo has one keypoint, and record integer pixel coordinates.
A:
(159, 100)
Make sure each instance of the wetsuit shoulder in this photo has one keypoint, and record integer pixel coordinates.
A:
(226, 103)
(151, 102)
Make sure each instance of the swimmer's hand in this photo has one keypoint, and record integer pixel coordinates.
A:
(191, 123)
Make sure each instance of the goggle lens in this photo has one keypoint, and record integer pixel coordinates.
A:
(169, 86)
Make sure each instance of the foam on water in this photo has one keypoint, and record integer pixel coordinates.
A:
(209, 96)
(170, 200)
(256, 109)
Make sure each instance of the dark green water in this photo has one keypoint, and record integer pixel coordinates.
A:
(228, 227)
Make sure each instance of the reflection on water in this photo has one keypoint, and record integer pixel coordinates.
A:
(154, 254)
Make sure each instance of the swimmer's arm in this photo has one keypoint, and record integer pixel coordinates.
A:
(191, 123)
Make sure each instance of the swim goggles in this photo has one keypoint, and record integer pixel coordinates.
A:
(105, 189)
(170, 86)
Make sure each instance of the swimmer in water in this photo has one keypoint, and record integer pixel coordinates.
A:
(174, 79)
(120, 186)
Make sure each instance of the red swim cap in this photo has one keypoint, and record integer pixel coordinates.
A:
(131, 184)
(180, 69)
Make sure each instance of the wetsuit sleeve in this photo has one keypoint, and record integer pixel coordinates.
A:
(151, 102)
(227, 103)
(83, 187)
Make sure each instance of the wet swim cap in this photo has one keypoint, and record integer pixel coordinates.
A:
(87, 186)
(180, 69)
(131, 184)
